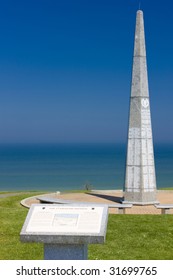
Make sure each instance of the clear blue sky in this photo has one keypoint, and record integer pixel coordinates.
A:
(65, 69)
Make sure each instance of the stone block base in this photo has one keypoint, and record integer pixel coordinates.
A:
(140, 198)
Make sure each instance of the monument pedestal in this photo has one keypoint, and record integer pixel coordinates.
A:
(140, 198)
(65, 230)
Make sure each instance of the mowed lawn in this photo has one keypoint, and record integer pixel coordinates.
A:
(128, 236)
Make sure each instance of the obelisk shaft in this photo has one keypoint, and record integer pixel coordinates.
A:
(140, 181)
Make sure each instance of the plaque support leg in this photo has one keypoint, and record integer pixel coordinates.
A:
(65, 251)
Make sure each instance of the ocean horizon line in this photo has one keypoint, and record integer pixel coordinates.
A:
(75, 143)
(72, 165)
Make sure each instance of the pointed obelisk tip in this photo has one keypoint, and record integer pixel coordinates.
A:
(139, 12)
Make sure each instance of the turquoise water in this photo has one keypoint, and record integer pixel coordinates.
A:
(65, 167)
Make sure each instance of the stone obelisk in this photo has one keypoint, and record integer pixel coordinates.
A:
(140, 180)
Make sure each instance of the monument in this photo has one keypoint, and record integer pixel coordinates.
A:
(65, 230)
(140, 180)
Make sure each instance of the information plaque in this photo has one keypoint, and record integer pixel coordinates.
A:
(65, 223)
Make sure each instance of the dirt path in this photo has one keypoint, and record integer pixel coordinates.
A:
(8, 194)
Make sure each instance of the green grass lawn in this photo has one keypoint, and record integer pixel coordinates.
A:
(128, 236)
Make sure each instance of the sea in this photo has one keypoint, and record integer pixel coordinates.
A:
(65, 167)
